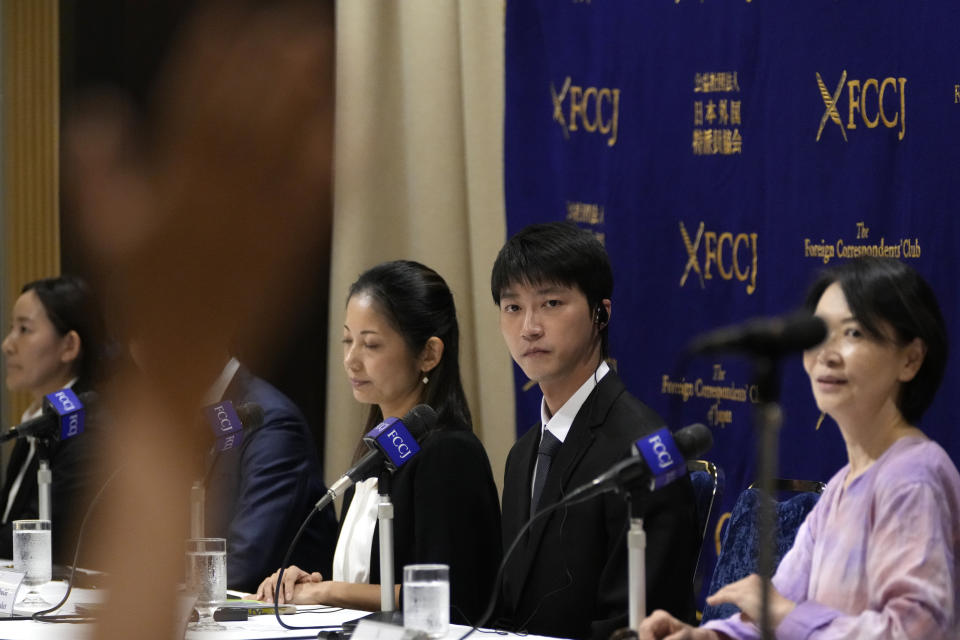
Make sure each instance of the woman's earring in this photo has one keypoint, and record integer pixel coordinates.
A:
(425, 380)
(820, 420)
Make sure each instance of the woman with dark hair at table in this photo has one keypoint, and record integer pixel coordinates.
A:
(401, 349)
(877, 557)
(56, 340)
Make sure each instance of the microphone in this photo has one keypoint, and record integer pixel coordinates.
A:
(392, 442)
(658, 458)
(62, 417)
(764, 336)
(231, 424)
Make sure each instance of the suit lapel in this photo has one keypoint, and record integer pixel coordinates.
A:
(579, 439)
(221, 468)
(525, 453)
(516, 510)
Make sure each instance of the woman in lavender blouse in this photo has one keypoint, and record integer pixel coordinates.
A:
(877, 556)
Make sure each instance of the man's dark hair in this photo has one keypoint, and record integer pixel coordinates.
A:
(557, 253)
(885, 291)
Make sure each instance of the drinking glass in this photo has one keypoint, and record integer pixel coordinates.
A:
(32, 558)
(206, 578)
(426, 598)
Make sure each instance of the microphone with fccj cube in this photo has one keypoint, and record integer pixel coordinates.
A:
(392, 443)
(655, 461)
(231, 426)
(666, 459)
(62, 417)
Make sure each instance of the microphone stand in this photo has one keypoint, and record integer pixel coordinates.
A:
(769, 419)
(197, 498)
(44, 480)
(388, 613)
(198, 495)
(636, 566)
(388, 603)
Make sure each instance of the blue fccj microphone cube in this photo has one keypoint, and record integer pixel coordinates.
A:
(68, 407)
(662, 457)
(393, 438)
(225, 424)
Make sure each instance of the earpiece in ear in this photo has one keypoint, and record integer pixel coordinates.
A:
(601, 316)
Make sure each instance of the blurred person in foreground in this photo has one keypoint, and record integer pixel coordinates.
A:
(877, 556)
(56, 341)
(400, 349)
(196, 222)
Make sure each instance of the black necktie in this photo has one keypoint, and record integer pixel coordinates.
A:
(549, 444)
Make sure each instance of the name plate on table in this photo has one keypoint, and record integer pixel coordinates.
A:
(370, 630)
(9, 585)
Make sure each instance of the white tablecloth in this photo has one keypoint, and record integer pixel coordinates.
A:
(258, 627)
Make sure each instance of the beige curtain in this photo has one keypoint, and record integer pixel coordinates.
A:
(30, 133)
(419, 175)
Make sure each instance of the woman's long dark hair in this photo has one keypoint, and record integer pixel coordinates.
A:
(418, 304)
(70, 305)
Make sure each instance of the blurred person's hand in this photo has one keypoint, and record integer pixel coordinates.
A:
(197, 221)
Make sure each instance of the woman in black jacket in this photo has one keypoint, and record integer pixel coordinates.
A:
(400, 349)
(56, 340)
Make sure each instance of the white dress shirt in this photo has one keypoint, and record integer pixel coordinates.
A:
(559, 423)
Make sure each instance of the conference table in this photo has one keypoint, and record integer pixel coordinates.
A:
(258, 627)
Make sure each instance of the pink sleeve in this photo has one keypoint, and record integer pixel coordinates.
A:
(910, 567)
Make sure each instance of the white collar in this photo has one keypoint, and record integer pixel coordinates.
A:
(559, 423)
(219, 386)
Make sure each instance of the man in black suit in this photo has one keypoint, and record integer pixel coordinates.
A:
(568, 576)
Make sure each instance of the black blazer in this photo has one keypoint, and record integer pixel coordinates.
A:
(446, 511)
(76, 477)
(568, 576)
(258, 494)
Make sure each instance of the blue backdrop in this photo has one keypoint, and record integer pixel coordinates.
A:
(724, 151)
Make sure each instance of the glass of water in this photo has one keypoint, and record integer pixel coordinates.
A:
(206, 578)
(32, 558)
(426, 598)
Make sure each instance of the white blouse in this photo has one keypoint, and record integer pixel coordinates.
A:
(351, 560)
